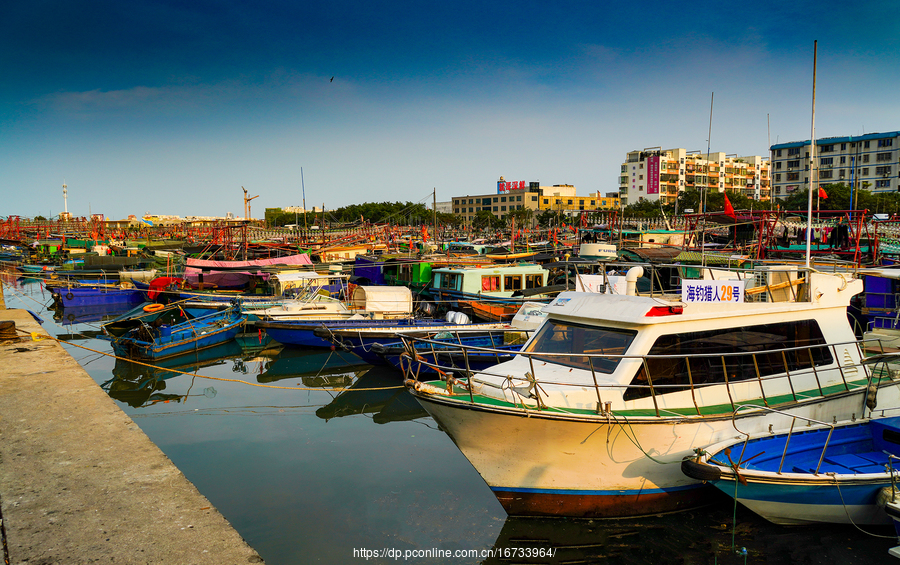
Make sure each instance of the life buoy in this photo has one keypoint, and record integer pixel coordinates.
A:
(153, 307)
(69, 296)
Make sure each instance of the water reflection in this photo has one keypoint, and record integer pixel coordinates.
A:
(87, 314)
(319, 369)
(141, 384)
(716, 534)
(379, 392)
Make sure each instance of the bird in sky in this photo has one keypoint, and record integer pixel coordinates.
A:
(332, 79)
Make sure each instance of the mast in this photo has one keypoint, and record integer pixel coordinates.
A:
(303, 187)
(812, 160)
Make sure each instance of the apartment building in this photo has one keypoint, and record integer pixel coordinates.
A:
(657, 174)
(870, 161)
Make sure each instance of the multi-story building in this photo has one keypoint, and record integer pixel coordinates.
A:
(870, 161)
(661, 174)
(573, 205)
(511, 196)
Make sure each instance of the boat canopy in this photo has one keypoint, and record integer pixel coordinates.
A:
(385, 299)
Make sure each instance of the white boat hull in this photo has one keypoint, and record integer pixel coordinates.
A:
(593, 466)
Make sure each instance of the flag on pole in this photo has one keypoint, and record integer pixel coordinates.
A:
(822, 193)
(729, 209)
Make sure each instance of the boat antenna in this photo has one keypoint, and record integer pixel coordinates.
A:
(812, 160)
(708, 143)
(303, 188)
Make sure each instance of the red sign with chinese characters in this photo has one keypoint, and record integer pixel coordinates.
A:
(506, 186)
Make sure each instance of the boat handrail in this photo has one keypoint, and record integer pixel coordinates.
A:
(837, 362)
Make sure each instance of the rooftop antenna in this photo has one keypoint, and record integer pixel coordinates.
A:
(65, 199)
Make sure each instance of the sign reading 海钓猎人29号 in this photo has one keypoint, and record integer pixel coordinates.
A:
(712, 291)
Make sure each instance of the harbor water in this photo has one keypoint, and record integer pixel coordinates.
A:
(315, 457)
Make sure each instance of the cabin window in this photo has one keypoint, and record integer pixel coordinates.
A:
(449, 280)
(534, 281)
(576, 340)
(512, 282)
(766, 343)
(490, 283)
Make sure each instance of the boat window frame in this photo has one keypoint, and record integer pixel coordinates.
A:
(515, 279)
(598, 362)
(669, 370)
(534, 280)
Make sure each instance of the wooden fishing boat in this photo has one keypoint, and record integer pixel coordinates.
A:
(167, 331)
(813, 472)
(496, 284)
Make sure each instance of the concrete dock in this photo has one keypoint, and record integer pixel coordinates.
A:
(80, 482)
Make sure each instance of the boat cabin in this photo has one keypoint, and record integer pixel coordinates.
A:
(491, 281)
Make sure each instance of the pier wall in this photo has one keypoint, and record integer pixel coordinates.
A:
(80, 482)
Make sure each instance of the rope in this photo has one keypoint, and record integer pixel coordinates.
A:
(844, 504)
(35, 336)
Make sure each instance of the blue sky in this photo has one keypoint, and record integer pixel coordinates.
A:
(169, 107)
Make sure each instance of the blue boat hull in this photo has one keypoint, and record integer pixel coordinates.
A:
(186, 337)
(74, 297)
(797, 484)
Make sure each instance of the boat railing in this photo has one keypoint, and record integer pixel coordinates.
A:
(787, 441)
(702, 370)
(794, 418)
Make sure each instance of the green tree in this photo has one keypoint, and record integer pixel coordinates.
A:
(483, 219)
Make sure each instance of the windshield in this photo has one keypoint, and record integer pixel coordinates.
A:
(577, 340)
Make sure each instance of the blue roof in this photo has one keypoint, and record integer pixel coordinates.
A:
(830, 140)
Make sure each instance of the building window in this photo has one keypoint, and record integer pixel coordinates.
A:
(777, 177)
(883, 157)
(793, 151)
(778, 153)
(885, 142)
(843, 160)
(883, 183)
(546, 201)
(569, 202)
(826, 161)
(778, 165)
(793, 164)
(534, 198)
(843, 146)
(519, 198)
(495, 208)
(882, 170)
(825, 174)
(502, 199)
(793, 176)
(826, 148)
(865, 171)
(865, 158)
(503, 208)
(865, 144)
(495, 199)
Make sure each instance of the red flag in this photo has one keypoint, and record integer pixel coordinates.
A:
(822, 193)
(729, 209)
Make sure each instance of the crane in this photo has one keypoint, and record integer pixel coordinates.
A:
(247, 203)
